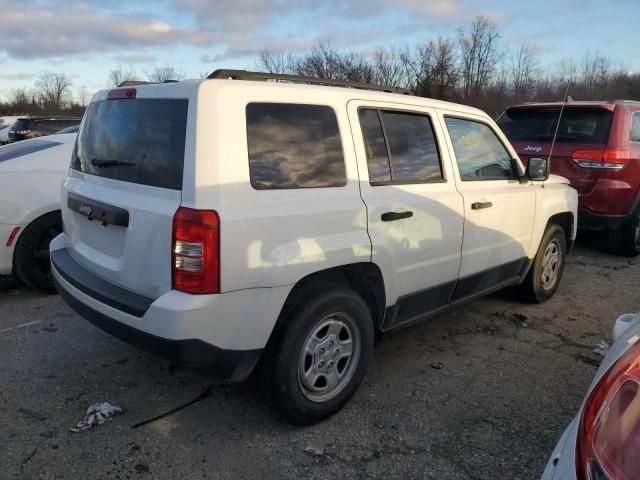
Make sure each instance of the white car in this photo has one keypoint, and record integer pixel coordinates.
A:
(215, 220)
(5, 125)
(31, 172)
(603, 440)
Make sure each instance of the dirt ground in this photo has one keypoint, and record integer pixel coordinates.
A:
(512, 377)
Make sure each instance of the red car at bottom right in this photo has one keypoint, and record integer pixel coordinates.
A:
(597, 147)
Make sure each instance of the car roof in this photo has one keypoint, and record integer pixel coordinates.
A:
(319, 93)
(605, 104)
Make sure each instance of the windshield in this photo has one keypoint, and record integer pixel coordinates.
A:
(138, 141)
(577, 125)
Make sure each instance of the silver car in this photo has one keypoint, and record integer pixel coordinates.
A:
(603, 440)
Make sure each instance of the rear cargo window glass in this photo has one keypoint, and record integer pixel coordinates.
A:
(134, 140)
(577, 125)
(635, 127)
(401, 147)
(15, 150)
(21, 124)
(294, 146)
(480, 154)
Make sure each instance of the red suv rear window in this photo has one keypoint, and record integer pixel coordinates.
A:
(589, 126)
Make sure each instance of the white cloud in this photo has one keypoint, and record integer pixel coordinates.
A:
(136, 58)
(37, 33)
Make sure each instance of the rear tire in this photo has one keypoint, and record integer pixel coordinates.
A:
(545, 273)
(31, 256)
(319, 355)
(625, 240)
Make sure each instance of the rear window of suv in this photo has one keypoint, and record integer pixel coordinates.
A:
(134, 140)
(578, 125)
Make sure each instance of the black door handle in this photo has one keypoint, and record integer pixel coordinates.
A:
(481, 205)
(391, 216)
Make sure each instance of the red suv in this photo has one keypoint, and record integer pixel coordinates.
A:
(598, 149)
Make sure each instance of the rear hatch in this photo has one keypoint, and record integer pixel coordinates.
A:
(124, 186)
(530, 129)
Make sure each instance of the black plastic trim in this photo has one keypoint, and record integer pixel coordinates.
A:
(230, 364)
(99, 211)
(97, 287)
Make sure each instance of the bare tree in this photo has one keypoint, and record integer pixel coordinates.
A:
(596, 70)
(389, 68)
(83, 95)
(20, 101)
(53, 90)
(480, 52)
(432, 70)
(119, 75)
(275, 61)
(524, 66)
(164, 74)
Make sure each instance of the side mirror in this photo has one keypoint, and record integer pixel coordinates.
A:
(538, 169)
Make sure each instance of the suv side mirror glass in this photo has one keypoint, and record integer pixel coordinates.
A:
(538, 168)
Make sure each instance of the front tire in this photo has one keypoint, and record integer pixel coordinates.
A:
(31, 256)
(543, 278)
(320, 354)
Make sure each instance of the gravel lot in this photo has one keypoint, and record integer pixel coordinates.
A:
(512, 376)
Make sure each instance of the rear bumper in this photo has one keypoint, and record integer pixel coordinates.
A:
(222, 334)
(593, 221)
(194, 353)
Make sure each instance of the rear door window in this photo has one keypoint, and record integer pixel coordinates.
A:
(134, 140)
(480, 154)
(578, 125)
(401, 147)
(294, 146)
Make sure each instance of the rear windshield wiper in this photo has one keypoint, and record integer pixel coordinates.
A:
(96, 162)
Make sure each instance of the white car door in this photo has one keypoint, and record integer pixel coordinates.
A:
(415, 214)
(499, 210)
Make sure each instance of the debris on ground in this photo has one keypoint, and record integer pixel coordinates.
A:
(97, 414)
(602, 348)
(205, 393)
(314, 449)
(437, 365)
(32, 414)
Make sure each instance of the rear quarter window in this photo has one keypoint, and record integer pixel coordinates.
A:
(294, 146)
(635, 127)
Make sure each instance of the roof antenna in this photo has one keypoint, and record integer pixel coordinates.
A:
(565, 100)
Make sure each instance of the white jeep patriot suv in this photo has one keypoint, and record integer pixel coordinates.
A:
(232, 220)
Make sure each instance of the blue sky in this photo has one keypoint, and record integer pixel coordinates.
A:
(86, 39)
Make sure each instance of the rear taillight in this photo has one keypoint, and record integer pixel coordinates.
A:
(196, 251)
(23, 132)
(601, 158)
(608, 442)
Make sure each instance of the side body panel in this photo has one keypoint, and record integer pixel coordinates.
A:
(271, 237)
(420, 253)
(497, 237)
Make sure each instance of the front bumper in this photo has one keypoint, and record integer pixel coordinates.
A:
(222, 334)
(6, 253)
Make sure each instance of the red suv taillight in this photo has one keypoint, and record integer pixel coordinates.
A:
(196, 251)
(608, 442)
(601, 158)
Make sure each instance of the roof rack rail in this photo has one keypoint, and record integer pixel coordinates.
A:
(263, 76)
(133, 83)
